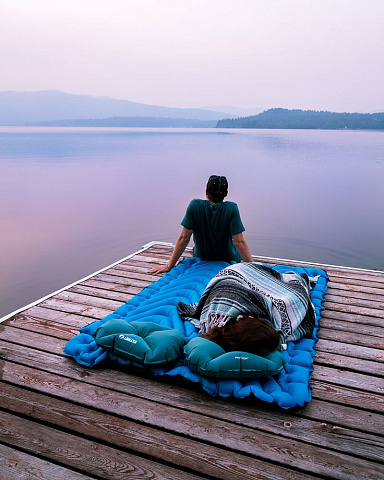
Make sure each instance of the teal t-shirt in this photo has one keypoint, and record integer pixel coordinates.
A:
(213, 227)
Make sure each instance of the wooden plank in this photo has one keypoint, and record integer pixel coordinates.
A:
(371, 297)
(30, 339)
(354, 364)
(357, 274)
(347, 397)
(76, 308)
(143, 440)
(338, 301)
(108, 285)
(125, 272)
(258, 444)
(101, 293)
(138, 267)
(362, 277)
(89, 300)
(349, 379)
(350, 350)
(44, 313)
(350, 287)
(370, 285)
(133, 273)
(146, 265)
(160, 254)
(82, 454)
(148, 260)
(35, 326)
(352, 317)
(351, 328)
(16, 465)
(338, 415)
(356, 339)
(339, 307)
(125, 281)
(358, 302)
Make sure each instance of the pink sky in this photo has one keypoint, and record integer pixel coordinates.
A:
(309, 54)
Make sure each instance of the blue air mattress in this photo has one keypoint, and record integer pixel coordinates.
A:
(289, 389)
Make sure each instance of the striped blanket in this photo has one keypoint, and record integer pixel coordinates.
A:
(252, 289)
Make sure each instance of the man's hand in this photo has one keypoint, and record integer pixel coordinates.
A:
(181, 243)
(160, 269)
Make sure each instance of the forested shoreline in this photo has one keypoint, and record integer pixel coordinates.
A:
(306, 119)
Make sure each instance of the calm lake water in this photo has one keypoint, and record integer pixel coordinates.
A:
(73, 201)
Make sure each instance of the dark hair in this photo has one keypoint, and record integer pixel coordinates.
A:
(249, 334)
(216, 197)
(217, 188)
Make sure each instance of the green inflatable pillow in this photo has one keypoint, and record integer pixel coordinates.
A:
(209, 359)
(145, 342)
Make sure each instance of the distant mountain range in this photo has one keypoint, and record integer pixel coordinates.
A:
(56, 108)
(157, 122)
(307, 119)
(21, 108)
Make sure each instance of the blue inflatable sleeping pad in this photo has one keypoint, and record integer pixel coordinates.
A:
(157, 303)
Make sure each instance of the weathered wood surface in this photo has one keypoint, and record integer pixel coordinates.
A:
(62, 420)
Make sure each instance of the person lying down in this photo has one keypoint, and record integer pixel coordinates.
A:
(253, 308)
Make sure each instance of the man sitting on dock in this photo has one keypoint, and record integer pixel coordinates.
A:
(216, 227)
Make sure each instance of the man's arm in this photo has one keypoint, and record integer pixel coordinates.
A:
(242, 247)
(180, 246)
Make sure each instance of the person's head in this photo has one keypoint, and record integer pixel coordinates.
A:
(217, 188)
(249, 334)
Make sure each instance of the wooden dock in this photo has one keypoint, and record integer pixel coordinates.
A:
(60, 420)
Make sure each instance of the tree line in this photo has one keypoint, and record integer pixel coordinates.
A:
(306, 119)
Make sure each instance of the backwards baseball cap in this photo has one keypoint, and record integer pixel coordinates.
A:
(217, 184)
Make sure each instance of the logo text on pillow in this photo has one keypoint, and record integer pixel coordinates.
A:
(127, 339)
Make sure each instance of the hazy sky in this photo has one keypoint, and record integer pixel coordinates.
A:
(309, 54)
